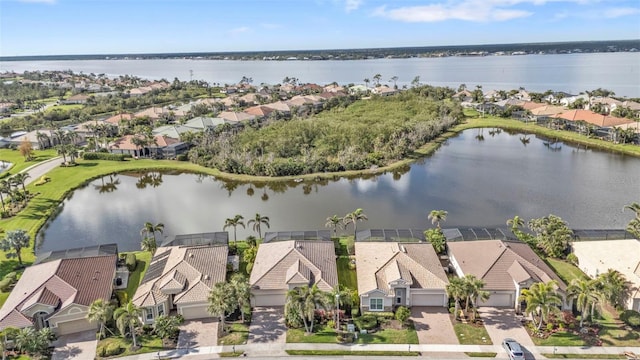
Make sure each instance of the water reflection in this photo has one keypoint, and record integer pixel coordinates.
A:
(478, 183)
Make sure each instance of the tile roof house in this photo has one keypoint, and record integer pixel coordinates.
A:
(57, 294)
(116, 119)
(399, 274)
(125, 145)
(284, 265)
(506, 267)
(597, 257)
(180, 278)
(259, 111)
(236, 116)
(592, 118)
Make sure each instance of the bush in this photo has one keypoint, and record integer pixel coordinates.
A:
(380, 314)
(131, 262)
(182, 157)
(43, 180)
(331, 324)
(105, 156)
(113, 350)
(12, 275)
(573, 259)
(402, 314)
(366, 322)
(5, 285)
(147, 329)
(355, 312)
(630, 317)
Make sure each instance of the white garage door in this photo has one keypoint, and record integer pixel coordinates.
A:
(70, 327)
(500, 300)
(268, 300)
(427, 300)
(195, 312)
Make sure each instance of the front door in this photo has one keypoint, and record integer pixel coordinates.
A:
(400, 297)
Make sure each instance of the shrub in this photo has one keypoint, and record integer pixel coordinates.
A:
(402, 314)
(572, 258)
(147, 329)
(131, 262)
(630, 317)
(182, 157)
(113, 350)
(380, 314)
(12, 275)
(355, 312)
(331, 324)
(43, 180)
(105, 156)
(5, 284)
(549, 326)
(366, 322)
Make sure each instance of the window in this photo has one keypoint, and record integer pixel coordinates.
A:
(149, 313)
(376, 305)
(160, 309)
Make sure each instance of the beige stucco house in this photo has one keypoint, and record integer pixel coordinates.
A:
(284, 265)
(180, 278)
(57, 294)
(394, 274)
(597, 257)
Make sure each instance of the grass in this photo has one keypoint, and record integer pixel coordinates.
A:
(584, 356)
(323, 334)
(560, 338)
(231, 354)
(481, 354)
(469, 334)
(18, 162)
(390, 336)
(238, 334)
(64, 107)
(3, 297)
(355, 353)
(614, 332)
(143, 259)
(566, 271)
(346, 276)
(147, 344)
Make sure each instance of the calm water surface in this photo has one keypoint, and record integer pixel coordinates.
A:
(480, 183)
(572, 73)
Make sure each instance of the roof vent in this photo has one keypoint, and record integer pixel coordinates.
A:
(402, 248)
(206, 277)
(190, 255)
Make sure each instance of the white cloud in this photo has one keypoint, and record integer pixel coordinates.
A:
(619, 12)
(239, 30)
(351, 5)
(469, 10)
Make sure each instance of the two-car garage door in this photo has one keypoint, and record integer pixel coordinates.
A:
(500, 300)
(70, 327)
(427, 300)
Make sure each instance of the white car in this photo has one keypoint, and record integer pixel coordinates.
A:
(513, 349)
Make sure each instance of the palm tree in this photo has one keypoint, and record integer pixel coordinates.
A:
(475, 292)
(613, 286)
(456, 290)
(353, 218)
(366, 82)
(257, 222)
(20, 178)
(437, 216)
(634, 225)
(149, 244)
(100, 311)
(4, 188)
(635, 207)
(15, 241)
(377, 78)
(335, 222)
(242, 290)
(542, 299)
(235, 221)
(516, 223)
(167, 326)
(151, 229)
(338, 298)
(221, 300)
(583, 291)
(304, 300)
(128, 316)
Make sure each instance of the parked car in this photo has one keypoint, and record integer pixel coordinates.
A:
(513, 349)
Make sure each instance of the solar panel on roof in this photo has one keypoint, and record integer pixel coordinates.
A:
(155, 268)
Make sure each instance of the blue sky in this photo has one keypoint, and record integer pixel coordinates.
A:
(52, 27)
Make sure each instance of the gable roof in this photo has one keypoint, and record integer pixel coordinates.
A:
(502, 263)
(236, 116)
(125, 143)
(416, 264)
(59, 284)
(593, 118)
(279, 263)
(187, 272)
(116, 119)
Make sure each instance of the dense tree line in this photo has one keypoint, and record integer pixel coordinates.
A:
(367, 133)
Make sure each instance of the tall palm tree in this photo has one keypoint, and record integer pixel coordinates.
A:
(456, 290)
(476, 293)
(257, 223)
(221, 300)
(304, 300)
(614, 287)
(151, 229)
(353, 218)
(516, 223)
(335, 222)
(100, 311)
(437, 216)
(235, 222)
(128, 317)
(583, 291)
(635, 207)
(542, 299)
(337, 299)
(634, 225)
(149, 244)
(242, 290)
(20, 179)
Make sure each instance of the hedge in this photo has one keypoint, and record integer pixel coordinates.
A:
(5, 284)
(630, 317)
(105, 156)
(380, 314)
(131, 262)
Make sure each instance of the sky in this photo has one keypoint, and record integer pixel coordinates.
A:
(61, 27)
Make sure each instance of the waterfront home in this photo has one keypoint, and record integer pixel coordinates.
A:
(545, 112)
(568, 100)
(392, 274)
(597, 257)
(281, 266)
(506, 267)
(385, 90)
(125, 145)
(180, 279)
(57, 294)
(281, 107)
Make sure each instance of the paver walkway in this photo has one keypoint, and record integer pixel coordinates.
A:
(433, 325)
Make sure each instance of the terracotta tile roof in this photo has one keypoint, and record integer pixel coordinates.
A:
(187, 272)
(152, 113)
(236, 116)
(125, 142)
(91, 277)
(530, 105)
(592, 118)
(547, 110)
(501, 263)
(378, 264)
(279, 106)
(115, 119)
(282, 261)
(259, 110)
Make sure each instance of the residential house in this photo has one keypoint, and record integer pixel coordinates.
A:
(201, 123)
(284, 265)
(566, 101)
(5, 107)
(281, 107)
(606, 104)
(597, 257)
(522, 95)
(464, 96)
(86, 129)
(125, 145)
(236, 117)
(153, 113)
(39, 139)
(259, 111)
(394, 274)
(546, 112)
(506, 267)
(173, 131)
(385, 90)
(57, 294)
(180, 279)
(117, 119)
(76, 99)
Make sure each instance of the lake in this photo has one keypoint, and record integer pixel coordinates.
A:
(479, 182)
(572, 73)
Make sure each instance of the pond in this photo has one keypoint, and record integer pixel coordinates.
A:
(481, 177)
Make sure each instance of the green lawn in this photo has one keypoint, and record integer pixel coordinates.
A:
(389, 336)
(565, 270)
(64, 107)
(354, 353)
(143, 259)
(147, 344)
(237, 335)
(559, 339)
(584, 356)
(471, 334)
(18, 162)
(613, 332)
(346, 276)
(323, 334)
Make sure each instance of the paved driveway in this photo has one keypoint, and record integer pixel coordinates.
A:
(79, 346)
(267, 326)
(502, 323)
(433, 325)
(198, 333)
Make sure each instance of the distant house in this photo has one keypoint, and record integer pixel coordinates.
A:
(284, 265)
(76, 99)
(125, 145)
(259, 111)
(39, 139)
(180, 279)
(566, 101)
(57, 294)
(506, 267)
(117, 119)
(236, 117)
(464, 96)
(394, 274)
(202, 123)
(385, 90)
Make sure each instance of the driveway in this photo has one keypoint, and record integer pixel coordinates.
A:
(37, 171)
(80, 346)
(267, 326)
(433, 325)
(502, 323)
(198, 333)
